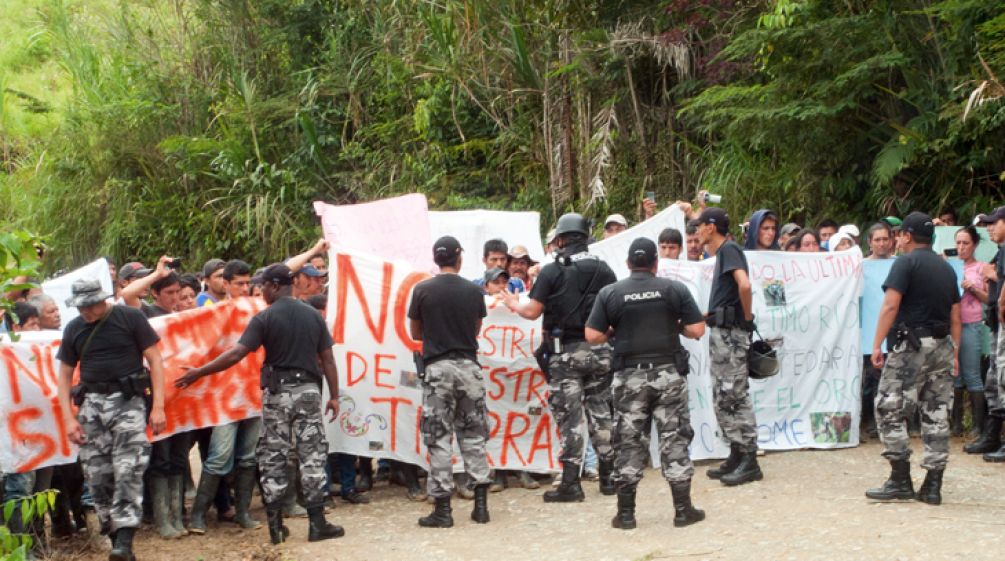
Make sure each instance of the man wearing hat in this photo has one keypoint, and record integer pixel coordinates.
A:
(296, 342)
(131, 272)
(110, 344)
(921, 309)
(648, 315)
(446, 314)
(990, 441)
(614, 225)
(212, 278)
(732, 321)
(520, 265)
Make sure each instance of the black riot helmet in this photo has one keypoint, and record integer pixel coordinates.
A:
(572, 223)
(762, 360)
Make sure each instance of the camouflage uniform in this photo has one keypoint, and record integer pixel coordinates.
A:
(114, 456)
(731, 386)
(642, 396)
(993, 380)
(580, 381)
(453, 402)
(293, 412)
(911, 378)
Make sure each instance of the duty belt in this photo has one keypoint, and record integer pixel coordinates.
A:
(923, 332)
(285, 377)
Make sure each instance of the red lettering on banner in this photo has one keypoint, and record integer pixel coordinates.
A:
(489, 342)
(57, 411)
(496, 424)
(350, 381)
(346, 276)
(537, 380)
(401, 311)
(494, 378)
(48, 445)
(542, 441)
(510, 436)
(394, 401)
(377, 371)
(37, 375)
(514, 344)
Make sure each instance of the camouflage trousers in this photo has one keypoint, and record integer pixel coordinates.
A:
(453, 404)
(913, 378)
(994, 384)
(579, 386)
(114, 456)
(642, 396)
(294, 412)
(734, 411)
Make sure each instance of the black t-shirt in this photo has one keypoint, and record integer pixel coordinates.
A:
(450, 309)
(725, 291)
(293, 334)
(994, 290)
(645, 312)
(153, 310)
(560, 288)
(928, 289)
(115, 350)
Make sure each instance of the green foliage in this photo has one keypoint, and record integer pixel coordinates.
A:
(14, 546)
(19, 264)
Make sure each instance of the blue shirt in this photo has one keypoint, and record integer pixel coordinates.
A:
(514, 285)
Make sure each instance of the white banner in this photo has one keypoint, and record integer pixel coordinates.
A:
(60, 287)
(614, 250)
(475, 227)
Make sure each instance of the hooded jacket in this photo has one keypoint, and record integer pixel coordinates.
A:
(755, 227)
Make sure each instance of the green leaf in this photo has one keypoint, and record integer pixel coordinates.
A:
(27, 510)
(8, 509)
(41, 504)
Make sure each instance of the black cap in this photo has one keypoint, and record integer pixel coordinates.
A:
(993, 216)
(642, 252)
(714, 215)
(133, 270)
(919, 224)
(494, 273)
(447, 245)
(278, 273)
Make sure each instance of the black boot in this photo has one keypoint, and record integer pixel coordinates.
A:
(735, 453)
(365, 481)
(62, 525)
(319, 528)
(277, 532)
(123, 549)
(956, 414)
(990, 438)
(480, 514)
(244, 487)
(606, 469)
(160, 495)
(569, 490)
(625, 518)
(898, 486)
(931, 489)
(440, 517)
(997, 456)
(978, 410)
(748, 470)
(684, 512)
(208, 484)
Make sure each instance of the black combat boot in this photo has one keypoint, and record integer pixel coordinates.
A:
(123, 549)
(208, 484)
(625, 518)
(606, 469)
(990, 438)
(319, 528)
(748, 470)
(898, 486)
(440, 517)
(729, 465)
(480, 514)
(978, 411)
(684, 512)
(569, 490)
(931, 488)
(244, 487)
(956, 414)
(277, 532)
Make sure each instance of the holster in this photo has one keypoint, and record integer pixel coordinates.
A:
(542, 354)
(682, 362)
(420, 365)
(906, 336)
(77, 395)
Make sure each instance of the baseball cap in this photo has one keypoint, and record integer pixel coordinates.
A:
(494, 273)
(918, 223)
(520, 252)
(992, 217)
(447, 245)
(892, 221)
(714, 215)
(789, 228)
(311, 271)
(617, 219)
(278, 273)
(133, 270)
(212, 266)
(642, 251)
(550, 236)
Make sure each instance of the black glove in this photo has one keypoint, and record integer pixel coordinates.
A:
(748, 325)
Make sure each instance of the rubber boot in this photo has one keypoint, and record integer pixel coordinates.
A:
(62, 525)
(123, 549)
(244, 487)
(441, 516)
(569, 490)
(463, 487)
(480, 513)
(956, 415)
(990, 438)
(898, 486)
(527, 480)
(204, 494)
(606, 469)
(748, 470)
(931, 488)
(365, 481)
(410, 479)
(277, 532)
(161, 504)
(997, 456)
(498, 481)
(729, 465)
(176, 503)
(978, 410)
(320, 529)
(625, 518)
(291, 508)
(684, 512)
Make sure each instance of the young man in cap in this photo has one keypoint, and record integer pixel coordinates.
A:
(990, 442)
(446, 315)
(496, 281)
(131, 272)
(212, 277)
(732, 322)
(614, 225)
(298, 347)
(922, 308)
(495, 255)
(787, 232)
(110, 344)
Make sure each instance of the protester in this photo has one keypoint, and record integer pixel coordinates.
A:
(880, 239)
(807, 241)
(48, 311)
(825, 229)
(495, 255)
(947, 217)
(995, 384)
(237, 278)
(212, 276)
(188, 293)
(670, 243)
(27, 318)
(131, 272)
(786, 232)
(520, 266)
(695, 249)
(971, 314)
(762, 231)
(614, 225)
(851, 230)
(840, 242)
(495, 281)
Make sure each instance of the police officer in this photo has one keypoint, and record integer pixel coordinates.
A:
(732, 322)
(579, 376)
(648, 315)
(110, 343)
(922, 307)
(296, 343)
(446, 315)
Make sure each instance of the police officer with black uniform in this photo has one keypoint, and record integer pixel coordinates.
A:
(647, 316)
(579, 376)
(296, 342)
